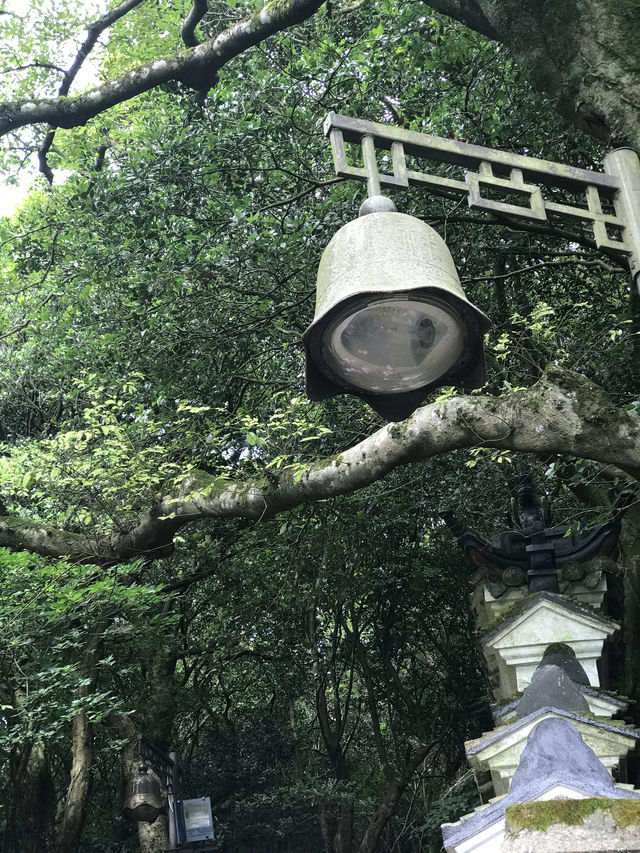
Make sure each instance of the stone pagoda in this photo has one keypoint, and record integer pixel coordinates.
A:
(552, 773)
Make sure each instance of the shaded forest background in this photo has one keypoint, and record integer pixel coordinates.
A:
(318, 673)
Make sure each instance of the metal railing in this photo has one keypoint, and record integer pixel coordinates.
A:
(616, 230)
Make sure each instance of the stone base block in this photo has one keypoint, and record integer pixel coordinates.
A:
(593, 825)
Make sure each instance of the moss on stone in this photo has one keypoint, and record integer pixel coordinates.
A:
(512, 611)
(611, 694)
(522, 603)
(608, 721)
(539, 816)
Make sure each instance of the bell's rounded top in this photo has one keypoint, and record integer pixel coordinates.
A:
(386, 252)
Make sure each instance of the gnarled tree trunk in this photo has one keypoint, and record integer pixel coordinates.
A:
(68, 836)
(583, 54)
(75, 805)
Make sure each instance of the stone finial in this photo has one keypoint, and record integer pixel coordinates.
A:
(552, 687)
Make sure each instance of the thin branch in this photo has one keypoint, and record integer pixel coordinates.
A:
(531, 228)
(34, 65)
(101, 157)
(95, 31)
(393, 109)
(24, 234)
(294, 198)
(569, 262)
(188, 31)
(26, 323)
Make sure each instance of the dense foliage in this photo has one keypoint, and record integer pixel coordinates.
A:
(317, 672)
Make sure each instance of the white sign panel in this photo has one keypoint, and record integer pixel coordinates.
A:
(198, 821)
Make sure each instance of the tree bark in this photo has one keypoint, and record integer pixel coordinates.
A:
(29, 781)
(344, 831)
(386, 810)
(75, 805)
(580, 53)
(195, 67)
(68, 836)
(336, 826)
(153, 837)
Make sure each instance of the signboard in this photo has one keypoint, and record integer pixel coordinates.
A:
(197, 820)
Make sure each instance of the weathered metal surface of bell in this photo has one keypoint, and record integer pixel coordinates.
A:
(144, 801)
(389, 275)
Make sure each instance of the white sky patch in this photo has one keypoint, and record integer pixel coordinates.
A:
(12, 196)
(17, 7)
(88, 77)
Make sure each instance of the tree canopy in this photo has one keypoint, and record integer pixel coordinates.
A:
(191, 550)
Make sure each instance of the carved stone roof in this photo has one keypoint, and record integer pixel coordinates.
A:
(555, 762)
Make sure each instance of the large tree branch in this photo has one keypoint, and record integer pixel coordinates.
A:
(195, 67)
(563, 413)
(467, 12)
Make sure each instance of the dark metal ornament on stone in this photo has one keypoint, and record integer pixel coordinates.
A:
(513, 576)
(144, 800)
(548, 557)
(573, 571)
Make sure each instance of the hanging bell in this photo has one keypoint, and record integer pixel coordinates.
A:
(392, 321)
(144, 801)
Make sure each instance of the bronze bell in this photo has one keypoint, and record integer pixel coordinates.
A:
(144, 801)
(392, 321)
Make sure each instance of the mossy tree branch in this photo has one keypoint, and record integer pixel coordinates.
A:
(196, 67)
(563, 413)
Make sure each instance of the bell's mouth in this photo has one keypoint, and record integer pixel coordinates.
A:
(392, 344)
